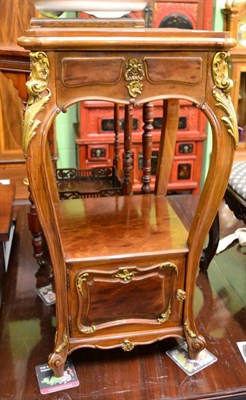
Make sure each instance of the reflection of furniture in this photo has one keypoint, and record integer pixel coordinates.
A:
(7, 193)
(107, 253)
(14, 70)
(96, 117)
(235, 21)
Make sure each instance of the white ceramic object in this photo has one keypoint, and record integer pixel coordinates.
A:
(100, 9)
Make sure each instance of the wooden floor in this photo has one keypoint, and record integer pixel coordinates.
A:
(27, 330)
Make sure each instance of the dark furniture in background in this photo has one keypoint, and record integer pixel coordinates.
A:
(14, 71)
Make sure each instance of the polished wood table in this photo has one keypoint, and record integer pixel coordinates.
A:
(7, 193)
(125, 266)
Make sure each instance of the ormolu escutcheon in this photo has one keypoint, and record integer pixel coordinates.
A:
(127, 345)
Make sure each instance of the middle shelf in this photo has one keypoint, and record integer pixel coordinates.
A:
(122, 226)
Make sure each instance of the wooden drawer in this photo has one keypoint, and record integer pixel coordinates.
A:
(98, 152)
(185, 148)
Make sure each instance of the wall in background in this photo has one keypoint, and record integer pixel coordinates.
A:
(65, 137)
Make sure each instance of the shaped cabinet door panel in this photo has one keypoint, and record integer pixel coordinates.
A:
(139, 296)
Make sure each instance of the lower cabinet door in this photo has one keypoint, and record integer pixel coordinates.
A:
(136, 297)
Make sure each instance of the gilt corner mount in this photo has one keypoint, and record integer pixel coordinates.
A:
(38, 95)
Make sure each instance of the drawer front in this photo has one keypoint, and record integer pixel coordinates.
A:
(98, 152)
(79, 70)
(183, 170)
(143, 297)
(185, 148)
(147, 75)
